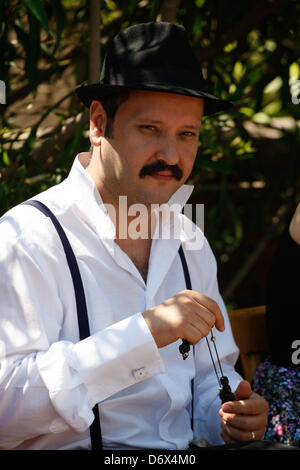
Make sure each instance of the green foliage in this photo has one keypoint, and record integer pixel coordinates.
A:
(247, 165)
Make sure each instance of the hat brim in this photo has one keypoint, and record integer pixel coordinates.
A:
(88, 93)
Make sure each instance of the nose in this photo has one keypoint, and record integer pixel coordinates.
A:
(168, 151)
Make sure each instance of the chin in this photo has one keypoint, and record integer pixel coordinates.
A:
(148, 196)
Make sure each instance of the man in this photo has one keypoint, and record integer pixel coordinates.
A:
(145, 120)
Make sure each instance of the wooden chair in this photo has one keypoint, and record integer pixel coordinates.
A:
(249, 331)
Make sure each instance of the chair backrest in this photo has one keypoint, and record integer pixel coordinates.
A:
(249, 331)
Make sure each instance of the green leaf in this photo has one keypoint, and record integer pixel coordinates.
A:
(261, 118)
(5, 158)
(199, 3)
(198, 23)
(273, 86)
(37, 9)
(294, 72)
(273, 108)
(238, 71)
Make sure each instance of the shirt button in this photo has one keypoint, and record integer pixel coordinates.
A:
(140, 374)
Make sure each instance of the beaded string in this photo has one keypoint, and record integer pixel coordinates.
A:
(213, 339)
(225, 392)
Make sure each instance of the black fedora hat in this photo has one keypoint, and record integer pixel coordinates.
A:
(154, 57)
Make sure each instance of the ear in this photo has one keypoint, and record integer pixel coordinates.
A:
(98, 122)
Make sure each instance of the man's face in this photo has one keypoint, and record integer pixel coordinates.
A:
(152, 149)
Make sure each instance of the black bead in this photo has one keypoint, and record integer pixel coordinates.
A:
(184, 348)
(225, 392)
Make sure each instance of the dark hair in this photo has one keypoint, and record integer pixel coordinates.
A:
(111, 104)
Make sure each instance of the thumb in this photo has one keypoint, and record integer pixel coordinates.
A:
(243, 390)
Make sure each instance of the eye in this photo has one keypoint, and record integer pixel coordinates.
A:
(148, 127)
(190, 134)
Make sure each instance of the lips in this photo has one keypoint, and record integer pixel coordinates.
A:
(159, 170)
(163, 175)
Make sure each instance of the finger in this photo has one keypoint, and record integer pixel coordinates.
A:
(238, 435)
(254, 405)
(195, 330)
(244, 422)
(192, 334)
(227, 438)
(212, 306)
(243, 390)
(202, 329)
(202, 319)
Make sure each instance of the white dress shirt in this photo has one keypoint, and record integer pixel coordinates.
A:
(50, 381)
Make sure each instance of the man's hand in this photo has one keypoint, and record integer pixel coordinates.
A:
(187, 315)
(246, 418)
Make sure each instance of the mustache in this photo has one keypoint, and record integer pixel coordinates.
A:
(161, 166)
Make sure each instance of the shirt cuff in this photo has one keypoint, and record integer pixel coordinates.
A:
(80, 375)
(117, 357)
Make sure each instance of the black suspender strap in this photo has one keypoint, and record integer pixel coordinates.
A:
(188, 286)
(185, 269)
(82, 315)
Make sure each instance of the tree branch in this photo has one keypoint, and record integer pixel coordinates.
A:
(94, 53)
(60, 135)
(43, 76)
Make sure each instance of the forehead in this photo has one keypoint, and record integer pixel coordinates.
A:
(161, 106)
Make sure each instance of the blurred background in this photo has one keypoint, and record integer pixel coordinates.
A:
(247, 168)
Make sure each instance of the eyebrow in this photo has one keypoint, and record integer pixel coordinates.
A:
(155, 121)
